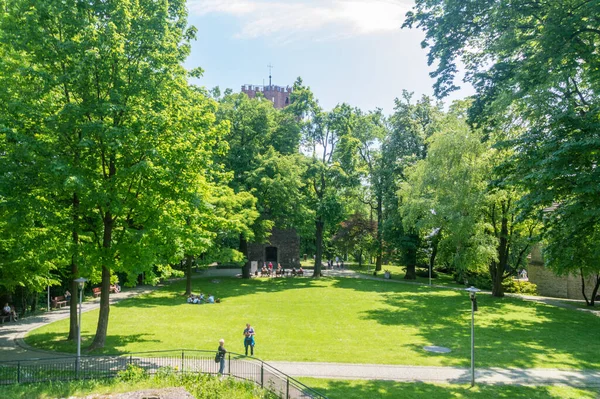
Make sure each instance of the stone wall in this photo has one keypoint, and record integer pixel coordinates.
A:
(287, 244)
(549, 284)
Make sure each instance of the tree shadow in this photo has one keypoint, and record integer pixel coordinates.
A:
(221, 287)
(508, 331)
(359, 389)
(56, 342)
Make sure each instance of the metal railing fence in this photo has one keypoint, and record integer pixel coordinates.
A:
(177, 361)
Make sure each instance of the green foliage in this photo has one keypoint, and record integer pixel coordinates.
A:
(478, 278)
(520, 287)
(201, 386)
(112, 147)
(446, 190)
(536, 72)
(132, 373)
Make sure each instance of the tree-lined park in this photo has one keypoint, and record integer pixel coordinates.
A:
(119, 166)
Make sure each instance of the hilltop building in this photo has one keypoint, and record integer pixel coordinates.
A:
(278, 95)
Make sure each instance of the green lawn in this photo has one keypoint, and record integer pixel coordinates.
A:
(345, 320)
(359, 389)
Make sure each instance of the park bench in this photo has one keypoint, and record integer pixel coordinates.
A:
(3, 318)
(96, 292)
(59, 302)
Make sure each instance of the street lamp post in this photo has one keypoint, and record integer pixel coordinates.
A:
(80, 282)
(472, 292)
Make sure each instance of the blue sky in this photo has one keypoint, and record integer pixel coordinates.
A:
(346, 50)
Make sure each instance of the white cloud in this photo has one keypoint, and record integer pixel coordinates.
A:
(332, 18)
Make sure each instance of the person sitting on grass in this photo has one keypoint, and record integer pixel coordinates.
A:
(190, 298)
(211, 299)
(201, 298)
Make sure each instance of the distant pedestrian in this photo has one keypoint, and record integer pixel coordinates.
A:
(221, 356)
(249, 339)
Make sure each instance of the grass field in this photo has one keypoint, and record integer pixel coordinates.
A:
(345, 320)
(210, 387)
(360, 389)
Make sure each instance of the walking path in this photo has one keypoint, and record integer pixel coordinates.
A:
(12, 347)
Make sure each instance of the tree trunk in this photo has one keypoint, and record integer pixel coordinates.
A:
(320, 224)
(595, 290)
(244, 250)
(73, 305)
(378, 259)
(34, 302)
(497, 269)
(434, 248)
(102, 327)
(188, 271)
(592, 300)
(411, 258)
(360, 258)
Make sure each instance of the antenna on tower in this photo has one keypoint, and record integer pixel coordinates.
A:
(270, 67)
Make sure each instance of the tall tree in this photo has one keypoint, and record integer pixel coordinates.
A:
(534, 65)
(406, 143)
(262, 143)
(127, 132)
(364, 141)
(325, 178)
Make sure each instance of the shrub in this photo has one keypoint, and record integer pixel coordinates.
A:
(519, 287)
(425, 273)
(133, 373)
(479, 279)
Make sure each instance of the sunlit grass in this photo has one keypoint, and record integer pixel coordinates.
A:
(345, 320)
(359, 389)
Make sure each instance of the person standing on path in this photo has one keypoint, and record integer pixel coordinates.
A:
(249, 339)
(221, 354)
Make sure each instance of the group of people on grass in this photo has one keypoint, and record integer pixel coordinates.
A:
(249, 342)
(267, 270)
(200, 299)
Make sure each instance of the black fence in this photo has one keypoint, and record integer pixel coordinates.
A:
(180, 361)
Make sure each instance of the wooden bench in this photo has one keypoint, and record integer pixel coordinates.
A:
(59, 302)
(96, 292)
(3, 318)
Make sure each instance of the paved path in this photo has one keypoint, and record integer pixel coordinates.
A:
(453, 375)
(12, 347)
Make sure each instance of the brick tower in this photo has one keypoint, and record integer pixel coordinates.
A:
(279, 96)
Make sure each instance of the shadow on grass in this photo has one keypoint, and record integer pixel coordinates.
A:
(508, 331)
(359, 389)
(56, 342)
(220, 287)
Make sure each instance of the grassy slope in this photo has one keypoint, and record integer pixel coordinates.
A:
(345, 320)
